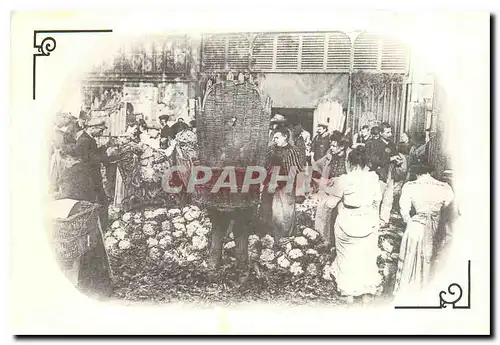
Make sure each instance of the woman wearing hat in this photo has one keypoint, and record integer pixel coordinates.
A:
(427, 196)
(83, 181)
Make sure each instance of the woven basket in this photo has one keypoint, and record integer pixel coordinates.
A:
(74, 236)
(233, 130)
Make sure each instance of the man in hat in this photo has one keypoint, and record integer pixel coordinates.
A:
(320, 143)
(278, 121)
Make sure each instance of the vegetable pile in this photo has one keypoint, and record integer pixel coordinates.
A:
(160, 254)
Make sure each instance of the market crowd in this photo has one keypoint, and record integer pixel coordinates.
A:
(369, 175)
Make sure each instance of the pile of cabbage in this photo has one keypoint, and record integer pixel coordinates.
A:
(180, 235)
(159, 251)
(300, 255)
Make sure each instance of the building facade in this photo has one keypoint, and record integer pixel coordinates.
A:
(342, 79)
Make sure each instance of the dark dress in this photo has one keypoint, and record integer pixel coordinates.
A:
(83, 181)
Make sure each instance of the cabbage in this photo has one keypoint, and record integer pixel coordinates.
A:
(200, 242)
(267, 241)
(149, 229)
(296, 269)
(267, 255)
(283, 262)
(124, 244)
(127, 217)
(301, 241)
(152, 242)
(295, 254)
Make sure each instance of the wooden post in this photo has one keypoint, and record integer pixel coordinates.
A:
(348, 117)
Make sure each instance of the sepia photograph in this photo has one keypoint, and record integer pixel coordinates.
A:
(244, 168)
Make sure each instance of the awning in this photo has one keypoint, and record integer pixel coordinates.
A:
(304, 90)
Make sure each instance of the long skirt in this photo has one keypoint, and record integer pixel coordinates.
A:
(283, 213)
(416, 253)
(356, 240)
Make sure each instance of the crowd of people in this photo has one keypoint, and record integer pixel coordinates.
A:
(367, 174)
(370, 177)
(79, 166)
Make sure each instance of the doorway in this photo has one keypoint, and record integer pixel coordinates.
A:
(295, 116)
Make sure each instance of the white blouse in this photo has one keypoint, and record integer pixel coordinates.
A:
(357, 188)
(426, 194)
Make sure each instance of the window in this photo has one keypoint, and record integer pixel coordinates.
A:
(287, 52)
(339, 52)
(313, 52)
(263, 52)
(394, 56)
(214, 53)
(226, 51)
(366, 52)
(307, 52)
(381, 54)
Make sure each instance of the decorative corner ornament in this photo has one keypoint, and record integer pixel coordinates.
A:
(456, 293)
(48, 45)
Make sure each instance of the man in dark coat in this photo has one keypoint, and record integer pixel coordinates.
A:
(321, 142)
(383, 155)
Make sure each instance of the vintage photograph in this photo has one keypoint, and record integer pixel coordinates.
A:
(345, 110)
(229, 168)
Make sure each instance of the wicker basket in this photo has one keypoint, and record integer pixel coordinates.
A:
(74, 236)
(233, 130)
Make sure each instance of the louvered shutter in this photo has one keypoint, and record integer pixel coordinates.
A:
(313, 52)
(339, 53)
(263, 52)
(287, 53)
(214, 52)
(238, 52)
(395, 56)
(366, 52)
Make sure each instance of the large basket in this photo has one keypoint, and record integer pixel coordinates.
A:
(74, 236)
(233, 130)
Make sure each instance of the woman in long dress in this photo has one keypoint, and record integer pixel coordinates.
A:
(357, 195)
(418, 247)
(83, 181)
